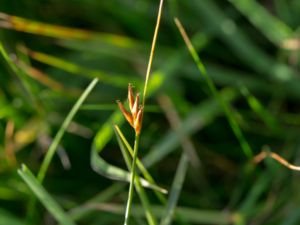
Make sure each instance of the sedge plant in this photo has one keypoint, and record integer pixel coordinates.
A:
(135, 115)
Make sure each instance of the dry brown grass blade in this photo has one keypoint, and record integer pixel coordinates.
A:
(264, 154)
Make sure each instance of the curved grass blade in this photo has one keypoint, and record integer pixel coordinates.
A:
(38, 190)
(103, 168)
(225, 105)
(53, 147)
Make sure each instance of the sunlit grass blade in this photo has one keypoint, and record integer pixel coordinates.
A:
(261, 111)
(274, 29)
(141, 167)
(231, 119)
(35, 27)
(49, 203)
(73, 68)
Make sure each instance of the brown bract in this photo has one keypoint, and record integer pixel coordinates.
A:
(135, 116)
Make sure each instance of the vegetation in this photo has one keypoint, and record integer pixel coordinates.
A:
(215, 141)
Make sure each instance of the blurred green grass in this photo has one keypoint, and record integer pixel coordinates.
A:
(250, 50)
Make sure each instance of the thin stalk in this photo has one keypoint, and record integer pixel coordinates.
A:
(133, 170)
(138, 186)
(137, 135)
(152, 50)
(232, 121)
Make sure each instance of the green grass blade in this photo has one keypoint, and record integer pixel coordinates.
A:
(145, 202)
(138, 186)
(53, 147)
(261, 111)
(231, 119)
(38, 190)
(274, 29)
(124, 145)
(175, 190)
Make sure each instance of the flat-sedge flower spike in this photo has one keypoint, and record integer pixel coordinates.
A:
(134, 117)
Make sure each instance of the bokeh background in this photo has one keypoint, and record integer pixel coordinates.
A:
(249, 48)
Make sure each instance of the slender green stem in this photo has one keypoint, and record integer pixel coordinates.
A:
(133, 169)
(152, 50)
(232, 121)
(137, 136)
